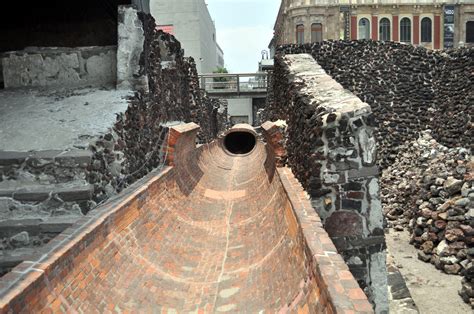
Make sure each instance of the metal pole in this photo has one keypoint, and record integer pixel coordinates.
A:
(238, 84)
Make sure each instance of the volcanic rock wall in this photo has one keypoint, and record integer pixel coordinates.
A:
(331, 150)
(410, 89)
(137, 143)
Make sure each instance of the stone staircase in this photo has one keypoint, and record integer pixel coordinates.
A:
(41, 194)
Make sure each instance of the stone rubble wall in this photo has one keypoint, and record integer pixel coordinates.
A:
(64, 67)
(331, 150)
(410, 89)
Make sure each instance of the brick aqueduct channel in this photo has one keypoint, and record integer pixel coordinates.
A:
(215, 231)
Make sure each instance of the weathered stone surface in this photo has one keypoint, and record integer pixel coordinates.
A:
(344, 223)
(71, 67)
(452, 185)
(20, 239)
(12, 158)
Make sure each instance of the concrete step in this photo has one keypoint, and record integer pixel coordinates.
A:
(34, 227)
(31, 192)
(11, 258)
(72, 158)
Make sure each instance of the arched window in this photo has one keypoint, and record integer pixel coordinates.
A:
(470, 32)
(405, 30)
(364, 28)
(316, 32)
(426, 30)
(300, 34)
(384, 29)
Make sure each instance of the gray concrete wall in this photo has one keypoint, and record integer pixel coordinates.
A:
(65, 67)
(239, 107)
(192, 26)
(208, 39)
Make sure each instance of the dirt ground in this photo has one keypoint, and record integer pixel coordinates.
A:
(433, 291)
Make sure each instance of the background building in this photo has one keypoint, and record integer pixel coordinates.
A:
(434, 24)
(220, 57)
(191, 23)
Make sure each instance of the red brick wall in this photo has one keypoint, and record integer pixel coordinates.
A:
(437, 32)
(353, 27)
(375, 28)
(416, 29)
(395, 28)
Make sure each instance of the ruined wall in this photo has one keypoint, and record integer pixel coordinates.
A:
(332, 152)
(135, 145)
(409, 89)
(65, 67)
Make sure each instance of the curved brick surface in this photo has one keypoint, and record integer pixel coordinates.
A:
(214, 233)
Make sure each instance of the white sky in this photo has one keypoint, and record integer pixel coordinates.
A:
(244, 28)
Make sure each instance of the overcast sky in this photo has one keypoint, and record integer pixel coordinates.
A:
(244, 28)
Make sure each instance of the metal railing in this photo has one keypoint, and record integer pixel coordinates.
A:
(234, 83)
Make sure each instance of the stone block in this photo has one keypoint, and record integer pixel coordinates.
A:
(75, 193)
(12, 158)
(351, 204)
(364, 172)
(36, 194)
(74, 158)
(343, 223)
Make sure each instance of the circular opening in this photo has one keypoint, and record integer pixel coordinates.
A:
(240, 143)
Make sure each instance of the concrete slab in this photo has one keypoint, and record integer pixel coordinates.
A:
(36, 226)
(35, 119)
(31, 192)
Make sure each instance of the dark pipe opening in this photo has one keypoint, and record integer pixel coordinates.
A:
(240, 143)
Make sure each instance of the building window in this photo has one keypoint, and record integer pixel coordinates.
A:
(384, 29)
(316, 32)
(405, 30)
(470, 32)
(300, 34)
(426, 30)
(364, 29)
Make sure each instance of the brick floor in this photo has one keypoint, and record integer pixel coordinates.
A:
(215, 233)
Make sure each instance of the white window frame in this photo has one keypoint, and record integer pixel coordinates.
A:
(364, 16)
(390, 18)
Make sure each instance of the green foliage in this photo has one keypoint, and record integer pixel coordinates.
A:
(220, 70)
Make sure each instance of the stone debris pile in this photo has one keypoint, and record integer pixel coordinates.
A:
(430, 189)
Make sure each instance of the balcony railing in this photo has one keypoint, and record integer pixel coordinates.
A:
(243, 83)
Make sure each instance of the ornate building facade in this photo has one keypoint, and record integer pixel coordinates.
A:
(434, 24)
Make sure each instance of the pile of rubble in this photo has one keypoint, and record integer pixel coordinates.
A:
(430, 189)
